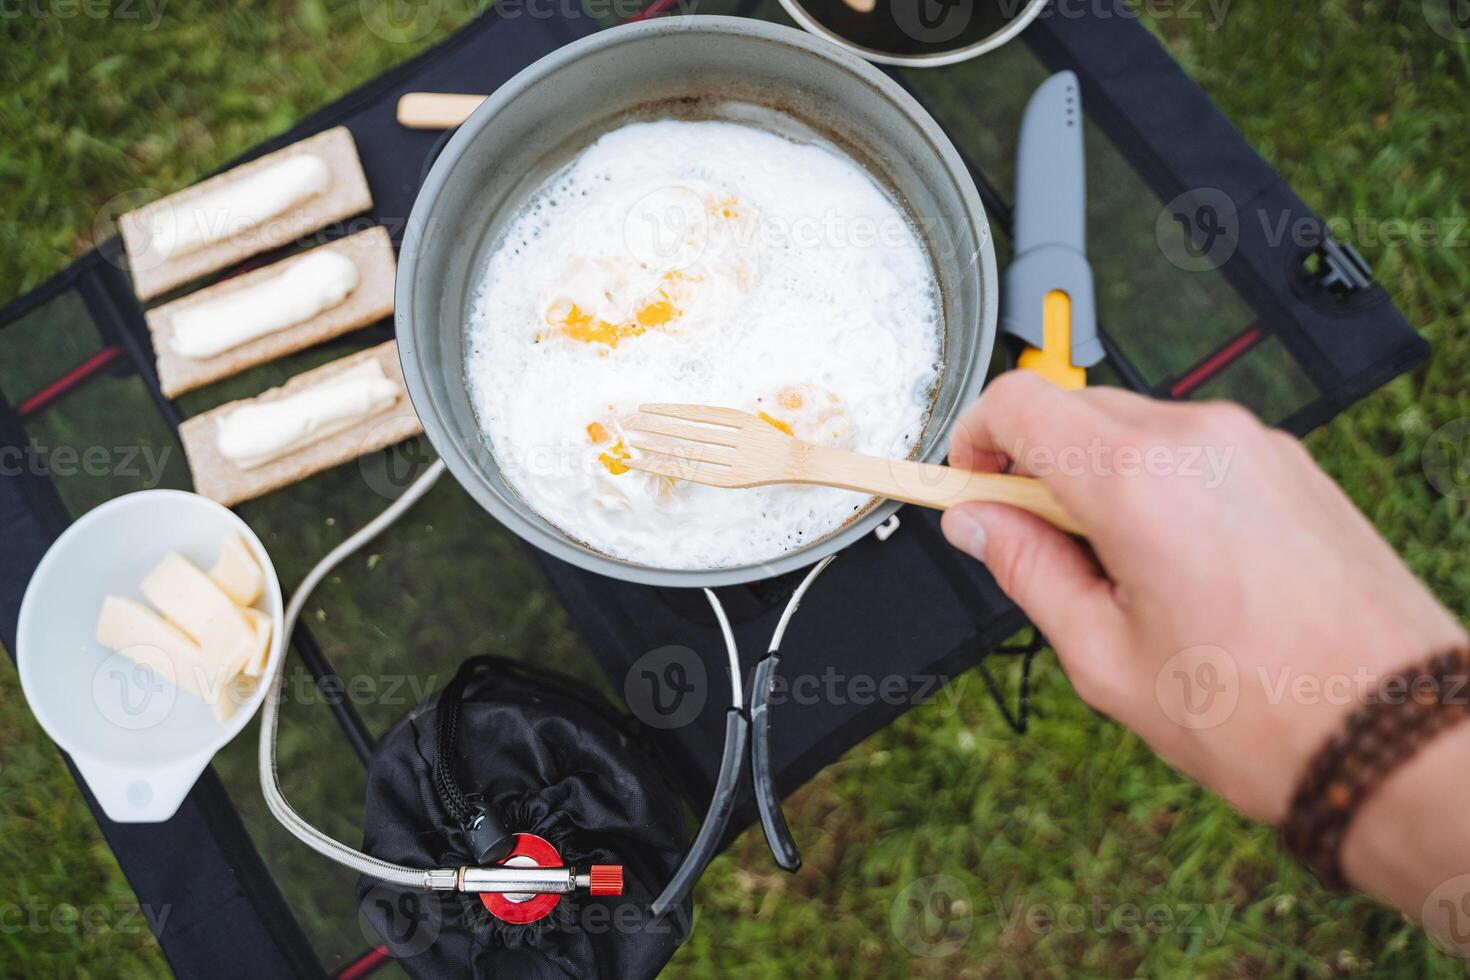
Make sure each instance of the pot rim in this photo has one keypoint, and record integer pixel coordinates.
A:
(985, 45)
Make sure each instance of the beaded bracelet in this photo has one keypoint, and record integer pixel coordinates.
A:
(1408, 710)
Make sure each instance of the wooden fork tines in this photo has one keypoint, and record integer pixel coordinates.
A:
(725, 447)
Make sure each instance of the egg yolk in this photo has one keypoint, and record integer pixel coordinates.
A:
(775, 423)
(614, 458)
(616, 454)
(724, 207)
(809, 413)
(657, 313)
(655, 310)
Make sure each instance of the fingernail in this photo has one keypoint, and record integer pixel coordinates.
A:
(965, 532)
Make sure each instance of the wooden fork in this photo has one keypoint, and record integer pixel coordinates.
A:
(724, 447)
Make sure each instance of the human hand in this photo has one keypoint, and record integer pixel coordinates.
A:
(1233, 606)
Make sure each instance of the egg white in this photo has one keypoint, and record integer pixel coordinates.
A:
(706, 262)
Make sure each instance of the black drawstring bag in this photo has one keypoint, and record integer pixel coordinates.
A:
(546, 755)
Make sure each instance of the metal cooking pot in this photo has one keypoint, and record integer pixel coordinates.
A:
(689, 67)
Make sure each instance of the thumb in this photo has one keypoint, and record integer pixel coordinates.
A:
(1049, 575)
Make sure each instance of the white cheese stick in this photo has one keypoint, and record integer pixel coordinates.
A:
(140, 634)
(253, 435)
(261, 623)
(239, 206)
(236, 693)
(309, 286)
(237, 572)
(191, 600)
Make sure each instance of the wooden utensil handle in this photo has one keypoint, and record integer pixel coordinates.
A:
(939, 487)
(436, 110)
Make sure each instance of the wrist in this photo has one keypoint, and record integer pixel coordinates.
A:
(1411, 837)
(1384, 769)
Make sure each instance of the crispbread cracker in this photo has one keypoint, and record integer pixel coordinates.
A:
(347, 195)
(371, 251)
(219, 479)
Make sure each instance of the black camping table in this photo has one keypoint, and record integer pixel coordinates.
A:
(1200, 297)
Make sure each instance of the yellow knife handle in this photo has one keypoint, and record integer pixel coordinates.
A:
(1054, 360)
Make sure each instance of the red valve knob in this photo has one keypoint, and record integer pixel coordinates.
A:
(530, 852)
(606, 879)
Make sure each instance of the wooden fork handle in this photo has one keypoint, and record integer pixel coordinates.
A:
(939, 487)
(436, 110)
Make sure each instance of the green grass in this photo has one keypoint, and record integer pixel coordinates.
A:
(1359, 105)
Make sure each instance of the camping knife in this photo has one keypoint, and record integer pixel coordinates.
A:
(1048, 298)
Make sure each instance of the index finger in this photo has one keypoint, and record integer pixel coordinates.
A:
(1025, 421)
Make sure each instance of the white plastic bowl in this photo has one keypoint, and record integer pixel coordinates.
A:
(139, 741)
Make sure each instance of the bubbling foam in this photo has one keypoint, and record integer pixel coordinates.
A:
(705, 262)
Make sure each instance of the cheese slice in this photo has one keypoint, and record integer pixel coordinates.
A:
(310, 286)
(237, 572)
(239, 206)
(191, 600)
(261, 623)
(140, 634)
(258, 432)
